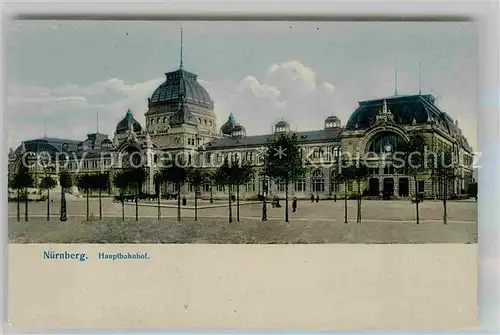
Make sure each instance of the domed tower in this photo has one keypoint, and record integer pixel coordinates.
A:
(332, 122)
(228, 127)
(281, 127)
(181, 86)
(128, 123)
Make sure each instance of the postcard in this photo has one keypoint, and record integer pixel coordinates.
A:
(242, 175)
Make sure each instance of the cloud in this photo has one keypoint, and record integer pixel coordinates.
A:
(71, 110)
(292, 76)
(288, 90)
(253, 85)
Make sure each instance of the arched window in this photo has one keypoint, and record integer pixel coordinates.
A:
(386, 142)
(336, 152)
(318, 181)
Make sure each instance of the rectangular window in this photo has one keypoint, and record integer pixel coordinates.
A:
(300, 185)
(421, 186)
(206, 187)
(281, 185)
(250, 186)
(334, 187)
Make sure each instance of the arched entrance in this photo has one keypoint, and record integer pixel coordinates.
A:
(389, 187)
(403, 188)
(373, 187)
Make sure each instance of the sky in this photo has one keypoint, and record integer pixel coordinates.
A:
(70, 72)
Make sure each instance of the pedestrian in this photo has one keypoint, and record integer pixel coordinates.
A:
(317, 198)
(184, 201)
(312, 198)
(277, 199)
(335, 197)
(294, 204)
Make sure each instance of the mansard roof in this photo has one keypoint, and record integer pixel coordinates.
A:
(312, 136)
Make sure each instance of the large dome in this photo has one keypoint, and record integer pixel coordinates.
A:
(127, 122)
(406, 109)
(180, 81)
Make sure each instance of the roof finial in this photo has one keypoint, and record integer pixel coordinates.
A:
(45, 125)
(395, 77)
(97, 123)
(182, 64)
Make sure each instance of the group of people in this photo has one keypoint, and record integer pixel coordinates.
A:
(317, 198)
(275, 203)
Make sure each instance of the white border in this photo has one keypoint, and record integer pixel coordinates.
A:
(486, 12)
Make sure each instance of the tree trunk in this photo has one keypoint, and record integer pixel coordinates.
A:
(211, 193)
(100, 204)
(159, 201)
(123, 204)
(26, 205)
(48, 204)
(178, 202)
(335, 191)
(18, 205)
(417, 200)
(196, 203)
(445, 218)
(264, 209)
(87, 203)
(63, 216)
(230, 207)
(286, 201)
(345, 202)
(238, 203)
(137, 202)
(359, 202)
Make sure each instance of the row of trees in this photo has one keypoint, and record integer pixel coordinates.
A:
(22, 180)
(283, 162)
(230, 174)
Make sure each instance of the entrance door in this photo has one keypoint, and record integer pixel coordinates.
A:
(389, 186)
(373, 187)
(403, 187)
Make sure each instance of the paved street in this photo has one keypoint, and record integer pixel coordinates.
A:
(323, 222)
